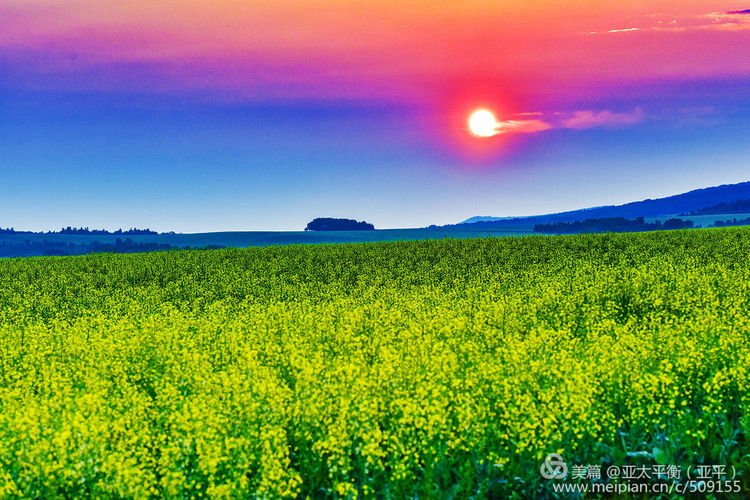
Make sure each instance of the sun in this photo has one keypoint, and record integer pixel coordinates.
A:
(482, 123)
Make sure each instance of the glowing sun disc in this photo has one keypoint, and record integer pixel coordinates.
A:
(482, 123)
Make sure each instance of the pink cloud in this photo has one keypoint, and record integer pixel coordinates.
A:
(578, 120)
(623, 30)
(591, 119)
(521, 126)
(713, 21)
(736, 16)
(297, 49)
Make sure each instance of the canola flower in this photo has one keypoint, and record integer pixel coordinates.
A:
(433, 369)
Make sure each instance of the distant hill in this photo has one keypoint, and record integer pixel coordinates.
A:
(672, 205)
(480, 218)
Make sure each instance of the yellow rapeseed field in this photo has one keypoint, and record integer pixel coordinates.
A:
(432, 369)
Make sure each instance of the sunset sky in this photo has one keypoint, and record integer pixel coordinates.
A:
(244, 115)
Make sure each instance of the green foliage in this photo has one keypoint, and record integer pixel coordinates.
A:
(432, 369)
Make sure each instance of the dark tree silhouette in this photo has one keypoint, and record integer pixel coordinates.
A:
(611, 225)
(733, 222)
(735, 207)
(331, 224)
(97, 232)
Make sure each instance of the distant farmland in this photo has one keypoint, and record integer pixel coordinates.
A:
(34, 244)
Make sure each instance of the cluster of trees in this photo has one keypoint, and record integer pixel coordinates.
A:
(733, 222)
(735, 207)
(611, 225)
(331, 224)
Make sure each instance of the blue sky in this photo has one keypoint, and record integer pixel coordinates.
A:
(184, 165)
(120, 118)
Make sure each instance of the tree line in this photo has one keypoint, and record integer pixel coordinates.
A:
(735, 207)
(611, 225)
(85, 231)
(733, 222)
